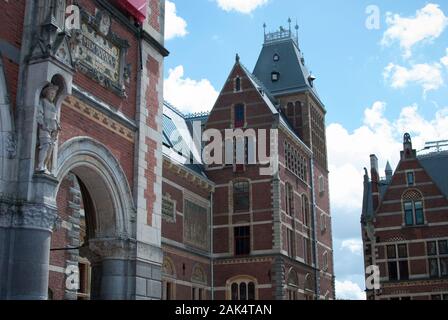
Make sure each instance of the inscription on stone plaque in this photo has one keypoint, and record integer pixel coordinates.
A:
(196, 225)
(99, 53)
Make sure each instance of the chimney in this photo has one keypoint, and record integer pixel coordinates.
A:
(375, 181)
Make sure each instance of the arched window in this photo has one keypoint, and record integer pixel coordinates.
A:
(241, 196)
(199, 280)
(242, 289)
(413, 208)
(309, 293)
(168, 281)
(292, 285)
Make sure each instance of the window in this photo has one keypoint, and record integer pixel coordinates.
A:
(305, 211)
(197, 293)
(409, 213)
(289, 191)
(410, 177)
(241, 199)
(291, 246)
(238, 84)
(307, 250)
(397, 262)
(413, 208)
(413, 211)
(323, 223)
(168, 291)
(325, 263)
(321, 185)
(243, 290)
(292, 285)
(295, 162)
(275, 76)
(239, 116)
(276, 57)
(85, 275)
(438, 263)
(242, 240)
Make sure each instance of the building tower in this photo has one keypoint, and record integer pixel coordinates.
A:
(272, 234)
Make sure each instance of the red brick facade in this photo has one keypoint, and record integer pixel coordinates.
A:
(405, 232)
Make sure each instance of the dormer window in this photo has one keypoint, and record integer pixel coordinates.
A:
(275, 76)
(276, 57)
(237, 84)
(410, 177)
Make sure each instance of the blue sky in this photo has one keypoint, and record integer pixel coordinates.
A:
(376, 83)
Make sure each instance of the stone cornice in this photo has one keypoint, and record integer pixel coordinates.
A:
(189, 175)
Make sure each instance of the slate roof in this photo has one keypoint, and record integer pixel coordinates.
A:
(436, 165)
(177, 139)
(294, 75)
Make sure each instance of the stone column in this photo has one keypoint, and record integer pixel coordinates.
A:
(26, 231)
(113, 268)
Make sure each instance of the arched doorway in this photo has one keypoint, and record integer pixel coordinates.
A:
(96, 238)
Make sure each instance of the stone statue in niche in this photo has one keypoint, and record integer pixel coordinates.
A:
(48, 128)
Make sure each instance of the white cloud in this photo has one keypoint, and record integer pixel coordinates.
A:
(354, 245)
(242, 6)
(347, 290)
(429, 76)
(349, 151)
(175, 26)
(427, 25)
(189, 95)
(444, 60)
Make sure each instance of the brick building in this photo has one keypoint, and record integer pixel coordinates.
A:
(405, 226)
(97, 179)
(271, 234)
(81, 166)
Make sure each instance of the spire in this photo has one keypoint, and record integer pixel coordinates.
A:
(388, 172)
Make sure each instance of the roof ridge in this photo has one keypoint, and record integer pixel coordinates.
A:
(174, 109)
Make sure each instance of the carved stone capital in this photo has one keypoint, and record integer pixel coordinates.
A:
(28, 216)
(123, 249)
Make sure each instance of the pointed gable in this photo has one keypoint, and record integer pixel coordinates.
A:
(252, 94)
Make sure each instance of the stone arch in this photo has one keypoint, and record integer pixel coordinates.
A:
(106, 182)
(292, 278)
(198, 275)
(168, 268)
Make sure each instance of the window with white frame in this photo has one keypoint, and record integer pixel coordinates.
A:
(397, 262)
(243, 290)
(437, 252)
(413, 208)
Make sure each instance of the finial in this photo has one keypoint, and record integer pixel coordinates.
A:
(264, 27)
(297, 32)
(289, 22)
(237, 58)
